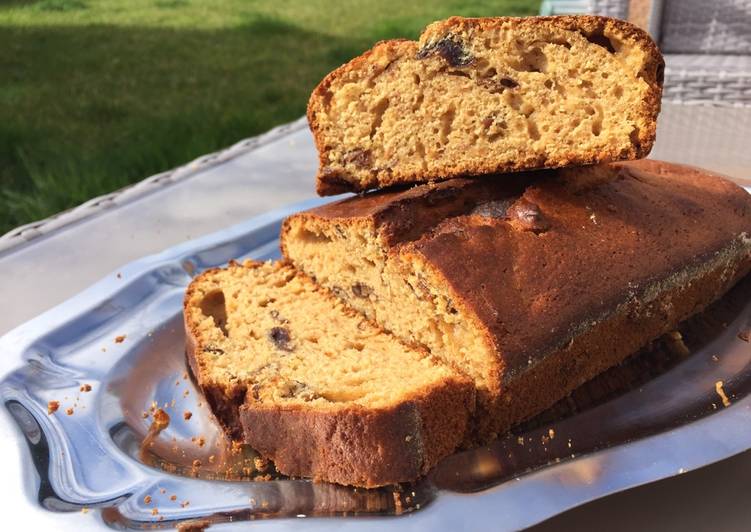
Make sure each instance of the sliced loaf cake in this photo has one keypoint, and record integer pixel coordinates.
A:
(312, 385)
(480, 96)
(532, 284)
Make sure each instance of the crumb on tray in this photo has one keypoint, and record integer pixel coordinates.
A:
(721, 392)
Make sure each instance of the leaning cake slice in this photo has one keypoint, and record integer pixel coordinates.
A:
(314, 386)
(487, 95)
(535, 283)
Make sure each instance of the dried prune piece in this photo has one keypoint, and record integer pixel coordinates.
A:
(497, 86)
(492, 209)
(359, 158)
(450, 49)
(281, 338)
(297, 389)
(361, 290)
(527, 216)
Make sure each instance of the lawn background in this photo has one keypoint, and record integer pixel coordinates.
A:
(97, 94)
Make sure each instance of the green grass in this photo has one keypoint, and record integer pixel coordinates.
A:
(97, 94)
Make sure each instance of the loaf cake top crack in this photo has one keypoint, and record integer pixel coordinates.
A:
(482, 96)
(313, 385)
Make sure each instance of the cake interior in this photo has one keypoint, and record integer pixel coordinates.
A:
(269, 330)
(399, 292)
(511, 96)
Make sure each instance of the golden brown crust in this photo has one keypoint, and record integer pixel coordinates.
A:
(607, 343)
(352, 445)
(359, 446)
(331, 182)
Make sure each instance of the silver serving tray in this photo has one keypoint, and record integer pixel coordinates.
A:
(95, 459)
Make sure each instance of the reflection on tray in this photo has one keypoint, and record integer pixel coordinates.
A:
(672, 382)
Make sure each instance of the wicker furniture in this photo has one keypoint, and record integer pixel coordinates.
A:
(707, 44)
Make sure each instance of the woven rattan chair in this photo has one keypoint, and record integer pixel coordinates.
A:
(706, 43)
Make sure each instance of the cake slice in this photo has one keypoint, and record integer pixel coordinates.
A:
(313, 385)
(486, 95)
(534, 283)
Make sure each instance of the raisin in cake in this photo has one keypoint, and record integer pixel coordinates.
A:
(535, 283)
(312, 385)
(478, 96)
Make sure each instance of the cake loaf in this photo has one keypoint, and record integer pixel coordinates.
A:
(535, 283)
(314, 386)
(479, 96)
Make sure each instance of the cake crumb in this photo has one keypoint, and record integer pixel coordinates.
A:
(551, 433)
(721, 392)
(147, 499)
(744, 335)
(160, 422)
(260, 463)
(120, 339)
(196, 463)
(161, 418)
(145, 414)
(715, 358)
(173, 497)
(69, 411)
(186, 393)
(676, 344)
(52, 407)
(86, 388)
(154, 511)
(187, 415)
(193, 525)
(397, 502)
(84, 510)
(200, 441)
(520, 440)
(119, 275)
(185, 504)
(162, 491)
(211, 459)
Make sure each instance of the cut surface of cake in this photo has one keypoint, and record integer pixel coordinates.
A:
(312, 385)
(487, 95)
(533, 284)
